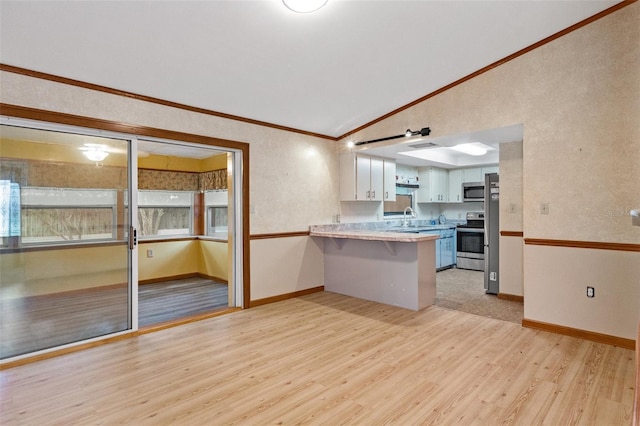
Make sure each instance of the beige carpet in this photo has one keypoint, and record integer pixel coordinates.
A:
(463, 290)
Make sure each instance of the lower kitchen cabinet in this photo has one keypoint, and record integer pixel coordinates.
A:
(445, 247)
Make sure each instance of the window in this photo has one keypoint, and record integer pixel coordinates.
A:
(217, 220)
(45, 225)
(165, 213)
(59, 215)
(9, 210)
(216, 203)
(394, 208)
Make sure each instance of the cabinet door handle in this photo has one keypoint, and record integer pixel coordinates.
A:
(368, 194)
(386, 194)
(373, 194)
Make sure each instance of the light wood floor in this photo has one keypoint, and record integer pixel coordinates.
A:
(327, 359)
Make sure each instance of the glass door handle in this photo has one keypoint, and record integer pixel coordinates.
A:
(133, 237)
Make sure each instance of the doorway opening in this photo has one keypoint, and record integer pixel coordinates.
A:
(186, 257)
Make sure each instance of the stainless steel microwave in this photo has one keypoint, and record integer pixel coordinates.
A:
(473, 191)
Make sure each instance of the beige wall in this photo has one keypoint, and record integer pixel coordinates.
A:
(578, 98)
(285, 265)
(511, 186)
(560, 277)
(511, 268)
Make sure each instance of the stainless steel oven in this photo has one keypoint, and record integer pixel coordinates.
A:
(470, 242)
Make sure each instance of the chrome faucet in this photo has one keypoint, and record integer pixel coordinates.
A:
(404, 215)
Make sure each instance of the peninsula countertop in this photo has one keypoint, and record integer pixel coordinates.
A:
(374, 235)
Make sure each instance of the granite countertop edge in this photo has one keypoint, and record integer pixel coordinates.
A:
(372, 235)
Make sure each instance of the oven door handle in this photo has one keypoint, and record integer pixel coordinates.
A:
(475, 230)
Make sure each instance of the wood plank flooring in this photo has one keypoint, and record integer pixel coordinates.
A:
(170, 300)
(40, 322)
(327, 359)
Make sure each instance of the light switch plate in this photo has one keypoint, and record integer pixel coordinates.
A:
(544, 208)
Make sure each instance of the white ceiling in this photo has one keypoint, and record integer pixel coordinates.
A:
(328, 72)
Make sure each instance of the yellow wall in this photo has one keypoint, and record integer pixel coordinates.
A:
(169, 259)
(162, 162)
(214, 258)
(10, 148)
(217, 162)
(172, 258)
(20, 149)
(51, 271)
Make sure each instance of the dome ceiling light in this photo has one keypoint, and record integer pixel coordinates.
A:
(304, 6)
(94, 152)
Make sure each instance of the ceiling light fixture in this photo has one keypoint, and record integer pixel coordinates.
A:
(95, 154)
(425, 131)
(470, 149)
(304, 6)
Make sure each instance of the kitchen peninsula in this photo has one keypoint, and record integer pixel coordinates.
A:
(390, 265)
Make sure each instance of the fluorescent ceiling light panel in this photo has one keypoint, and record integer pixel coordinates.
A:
(472, 148)
(441, 155)
(453, 156)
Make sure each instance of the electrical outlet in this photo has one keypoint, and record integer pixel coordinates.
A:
(544, 208)
(512, 208)
(149, 253)
(591, 292)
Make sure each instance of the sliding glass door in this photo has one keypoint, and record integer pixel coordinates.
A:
(67, 244)
(76, 207)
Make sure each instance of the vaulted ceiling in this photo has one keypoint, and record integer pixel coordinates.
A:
(328, 72)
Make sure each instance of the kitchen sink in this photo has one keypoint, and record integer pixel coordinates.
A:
(403, 230)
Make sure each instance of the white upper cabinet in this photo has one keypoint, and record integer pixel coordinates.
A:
(472, 175)
(455, 186)
(433, 185)
(361, 177)
(389, 180)
(442, 186)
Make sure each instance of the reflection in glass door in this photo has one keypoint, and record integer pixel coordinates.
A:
(65, 228)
